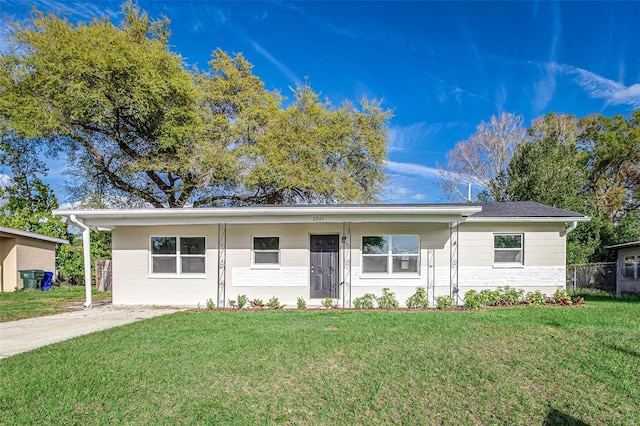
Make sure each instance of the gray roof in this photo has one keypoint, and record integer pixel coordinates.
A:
(11, 232)
(624, 245)
(522, 209)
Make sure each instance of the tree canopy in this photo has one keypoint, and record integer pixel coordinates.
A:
(132, 118)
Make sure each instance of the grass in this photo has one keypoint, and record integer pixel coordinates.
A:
(519, 365)
(32, 303)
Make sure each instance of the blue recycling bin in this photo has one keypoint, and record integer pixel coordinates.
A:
(47, 281)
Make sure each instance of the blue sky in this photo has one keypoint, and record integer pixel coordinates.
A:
(442, 67)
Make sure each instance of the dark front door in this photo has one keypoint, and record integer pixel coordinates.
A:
(324, 266)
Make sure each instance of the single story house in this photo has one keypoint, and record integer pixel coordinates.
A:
(628, 267)
(24, 250)
(188, 256)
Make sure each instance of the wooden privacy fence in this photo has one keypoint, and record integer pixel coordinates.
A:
(103, 274)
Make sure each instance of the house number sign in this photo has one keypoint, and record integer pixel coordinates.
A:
(317, 219)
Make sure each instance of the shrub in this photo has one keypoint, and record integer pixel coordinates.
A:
(510, 295)
(242, 301)
(489, 298)
(364, 302)
(561, 297)
(387, 300)
(536, 298)
(211, 304)
(418, 300)
(302, 304)
(327, 302)
(444, 302)
(472, 300)
(257, 303)
(274, 303)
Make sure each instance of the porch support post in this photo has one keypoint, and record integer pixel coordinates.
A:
(222, 263)
(346, 264)
(86, 254)
(453, 261)
(619, 271)
(431, 275)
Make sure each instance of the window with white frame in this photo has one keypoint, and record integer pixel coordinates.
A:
(631, 269)
(177, 255)
(390, 254)
(266, 250)
(508, 248)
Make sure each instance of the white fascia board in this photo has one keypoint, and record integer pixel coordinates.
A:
(26, 234)
(529, 219)
(320, 214)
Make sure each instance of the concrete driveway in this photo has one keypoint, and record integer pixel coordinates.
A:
(28, 334)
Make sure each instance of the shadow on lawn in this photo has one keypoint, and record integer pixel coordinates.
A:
(624, 350)
(557, 418)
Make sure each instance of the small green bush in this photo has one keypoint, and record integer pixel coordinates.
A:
(242, 301)
(535, 298)
(211, 304)
(444, 302)
(489, 298)
(365, 302)
(327, 302)
(302, 304)
(510, 295)
(418, 300)
(387, 300)
(472, 300)
(274, 303)
(561, 297)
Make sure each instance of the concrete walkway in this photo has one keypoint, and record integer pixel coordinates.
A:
(28, 334)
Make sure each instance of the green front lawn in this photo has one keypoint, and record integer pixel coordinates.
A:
(522, 365)
(33, 303)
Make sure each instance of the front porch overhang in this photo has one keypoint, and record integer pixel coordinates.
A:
(111, 219)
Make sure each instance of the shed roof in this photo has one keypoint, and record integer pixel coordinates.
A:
(624, 245)
(11, 232)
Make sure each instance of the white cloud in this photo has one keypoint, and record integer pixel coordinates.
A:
(418, 197)
(412, 169)
(404, 138)
(600, 87)
(545, 89)
(268, 56)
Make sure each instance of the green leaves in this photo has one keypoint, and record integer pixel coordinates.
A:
(124, 108)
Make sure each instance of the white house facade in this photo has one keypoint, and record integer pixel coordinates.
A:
(189, 256)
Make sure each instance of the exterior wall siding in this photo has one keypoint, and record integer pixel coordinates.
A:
(543, 267)
(24, 253)
(628, 284)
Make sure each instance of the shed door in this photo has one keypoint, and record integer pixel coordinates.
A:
(324, 266)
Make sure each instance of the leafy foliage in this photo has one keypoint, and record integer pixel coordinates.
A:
(301, 303)
(366, 301)
(138, 125)
(418, 300)
(444, 302)
(535, 298)
(327, 302)
(387, 300)
(274, 303)
(242, 301)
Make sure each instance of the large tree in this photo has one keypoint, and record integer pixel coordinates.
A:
(589, 165)
(143, 127)
(483, 158)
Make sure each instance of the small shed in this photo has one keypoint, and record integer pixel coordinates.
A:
(24, 250)
(628, 267)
